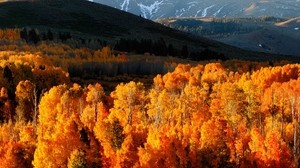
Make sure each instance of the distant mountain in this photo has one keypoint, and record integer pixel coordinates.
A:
(264, 34)
(92, 20)
(154, 9)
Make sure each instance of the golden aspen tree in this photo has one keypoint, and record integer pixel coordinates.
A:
(270, 151)
(162, 151)
(94, 98)
(125, 125)
(58, 133)
(213, 73)
(253, 96)
(214, 142)
(17, 141)
(49, 77)
(110, 136)
(129, 102)
(257, 147)
(177, 80)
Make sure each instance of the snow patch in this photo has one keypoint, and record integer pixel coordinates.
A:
(179, 12)
(149, 10)
(251, 8)
(218, 11)
(124, 5)
(198, 12)
(193, 3)
(296, 28)
(190, 6)
(204, 13)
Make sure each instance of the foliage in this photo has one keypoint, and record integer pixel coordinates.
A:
(222, 114)
(77, 159)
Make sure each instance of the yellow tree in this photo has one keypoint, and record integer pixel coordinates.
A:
(129, 103)
(17, 144)
(94, 97)
(58, 133)
(212, 74)
(127, 122)
(214, 150)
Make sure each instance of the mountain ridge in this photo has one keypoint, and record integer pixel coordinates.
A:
(264, 34)
(154, 9)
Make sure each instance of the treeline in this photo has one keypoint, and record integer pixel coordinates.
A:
(218, 26)
(35, 36)
(84, 63)
(212, 28)
(161, 48)
(92, 70)
(65, 44)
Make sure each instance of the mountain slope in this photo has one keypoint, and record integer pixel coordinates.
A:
(154, 9)
(264, 34)
(291, 23)
(100, 21)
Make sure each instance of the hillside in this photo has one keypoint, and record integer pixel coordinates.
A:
(84, 18)
(263, 34)
(292, 23)
(154, 9)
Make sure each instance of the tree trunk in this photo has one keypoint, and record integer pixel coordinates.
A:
(292, 101)
(35, 107)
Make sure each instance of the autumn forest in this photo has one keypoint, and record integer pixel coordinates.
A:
(214, 113)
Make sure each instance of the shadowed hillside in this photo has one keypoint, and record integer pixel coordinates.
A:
(87, 18)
